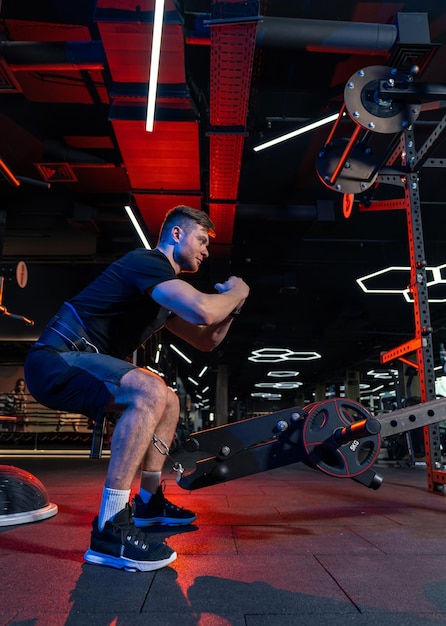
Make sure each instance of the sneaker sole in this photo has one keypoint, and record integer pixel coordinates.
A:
(141, 522)
(129, 565)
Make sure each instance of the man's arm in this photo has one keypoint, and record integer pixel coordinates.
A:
(202, 319)
(200, 308)
(204, 338)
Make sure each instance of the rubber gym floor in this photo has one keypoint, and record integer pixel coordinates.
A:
(287, 547)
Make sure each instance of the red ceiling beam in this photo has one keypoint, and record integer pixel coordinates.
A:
(163, 167)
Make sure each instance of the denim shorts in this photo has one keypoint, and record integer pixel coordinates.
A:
(73, 381)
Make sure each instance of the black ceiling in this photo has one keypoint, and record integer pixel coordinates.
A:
(73, 78)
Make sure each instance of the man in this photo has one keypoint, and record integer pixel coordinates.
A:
(78, 365)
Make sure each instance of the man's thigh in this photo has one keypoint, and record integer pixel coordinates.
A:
(77, 382)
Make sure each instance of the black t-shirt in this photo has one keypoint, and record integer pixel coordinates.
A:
(116, 310)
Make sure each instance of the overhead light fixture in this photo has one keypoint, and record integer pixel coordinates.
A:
(154, 63)
(276, 355)
(155, 371)
(158, 353)
(266, 396)
(376, 389)
(389, 275)
(283, 373)
(203, 371)
(383, 374)
(181, 354)
(280, 385)
(193, 381)
(137, 227)
(297, 132)
(361, 386)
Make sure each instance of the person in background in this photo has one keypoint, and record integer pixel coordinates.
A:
(16, 403)
(80, 364)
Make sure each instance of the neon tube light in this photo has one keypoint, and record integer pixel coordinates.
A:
(296, 133)
(154, 63)
(138, 228)
(181, 354)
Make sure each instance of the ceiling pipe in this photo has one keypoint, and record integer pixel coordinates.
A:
(57, 151)
(31, 55)
(312, 35)
(326, 35)
(322, 211)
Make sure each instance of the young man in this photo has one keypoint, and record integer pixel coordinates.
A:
(78, 365)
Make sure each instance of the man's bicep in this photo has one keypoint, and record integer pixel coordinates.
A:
(179, 297)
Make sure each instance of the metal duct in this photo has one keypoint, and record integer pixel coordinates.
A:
(31, 55)
(326, 36)
(57, 151)
(314, 35)
(323, 211)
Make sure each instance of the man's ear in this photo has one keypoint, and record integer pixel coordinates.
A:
(176, 231)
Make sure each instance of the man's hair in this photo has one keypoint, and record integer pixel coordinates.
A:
(183, 216)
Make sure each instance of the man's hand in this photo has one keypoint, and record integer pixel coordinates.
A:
(232, 284)
(206, 335)
(201, 308)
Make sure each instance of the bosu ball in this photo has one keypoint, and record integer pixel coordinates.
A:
(23, 498)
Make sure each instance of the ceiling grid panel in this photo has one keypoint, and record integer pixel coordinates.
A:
(233, 36)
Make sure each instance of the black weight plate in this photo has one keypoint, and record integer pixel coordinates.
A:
(346, 460)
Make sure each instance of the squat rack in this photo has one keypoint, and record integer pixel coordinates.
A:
(384, 100)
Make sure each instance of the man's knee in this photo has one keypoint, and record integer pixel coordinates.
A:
(173, 402)
(141, 389)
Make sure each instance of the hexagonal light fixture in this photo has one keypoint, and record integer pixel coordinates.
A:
(283, 373)
(437, 279)
(280, 385)
(437, 273)
(265, 395)
(383, 374)
(277, 355)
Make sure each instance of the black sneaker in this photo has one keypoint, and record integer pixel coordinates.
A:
(160, 511)
(120, 544)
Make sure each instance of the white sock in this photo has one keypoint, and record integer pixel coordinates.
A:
(113, 501)
(150, 481)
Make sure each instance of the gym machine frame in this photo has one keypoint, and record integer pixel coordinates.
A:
(386, 100)
(339, 436)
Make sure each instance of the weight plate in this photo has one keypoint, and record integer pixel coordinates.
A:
(345, 460)
(369, 111)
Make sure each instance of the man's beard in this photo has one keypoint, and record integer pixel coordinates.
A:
(186, 265)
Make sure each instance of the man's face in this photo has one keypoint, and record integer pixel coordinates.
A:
(192, 248)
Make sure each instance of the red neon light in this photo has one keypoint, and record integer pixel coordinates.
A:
(12, 180)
